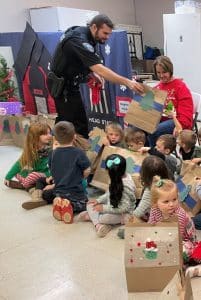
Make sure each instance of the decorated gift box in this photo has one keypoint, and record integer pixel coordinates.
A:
(11, 108)
(152, 255)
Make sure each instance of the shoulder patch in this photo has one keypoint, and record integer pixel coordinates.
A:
(88, 47)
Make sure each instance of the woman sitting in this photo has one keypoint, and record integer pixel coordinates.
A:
(178, 94)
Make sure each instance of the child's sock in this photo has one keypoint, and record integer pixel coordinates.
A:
(83, 217)
(194, 271)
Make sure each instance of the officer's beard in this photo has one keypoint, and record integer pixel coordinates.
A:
(97, 39)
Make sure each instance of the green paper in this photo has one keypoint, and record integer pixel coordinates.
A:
(94, 142)
(169, 107)
(130, 164)
(26, 127)
(17, 127)
(6, 127)
(147, 101)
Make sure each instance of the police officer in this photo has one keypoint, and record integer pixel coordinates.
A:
(74, 59)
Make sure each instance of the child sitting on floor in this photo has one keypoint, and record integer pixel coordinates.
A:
(188, 150)
(165, 205)
(41, 193)
(114, 135)
(166, 145)
(33, 163)
(69, 165)
(111, 208)
(151, 166)
(134, 138)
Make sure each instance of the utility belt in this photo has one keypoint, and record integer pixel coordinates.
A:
(58, 86)
(55, 84)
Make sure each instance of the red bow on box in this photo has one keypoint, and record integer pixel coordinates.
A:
(151, 245)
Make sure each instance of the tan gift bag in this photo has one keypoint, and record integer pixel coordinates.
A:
(153, 255)
(186, 186)
(133, 161)
(96, 146)
(145, 111)
(187, 166)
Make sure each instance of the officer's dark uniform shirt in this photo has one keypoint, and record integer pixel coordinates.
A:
(78, 50)
(73, 57)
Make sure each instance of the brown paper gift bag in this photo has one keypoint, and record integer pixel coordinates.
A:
(152, 255)
(134, 161)
(145, 111)
(94, 152)
(187, 166)
(188, 196)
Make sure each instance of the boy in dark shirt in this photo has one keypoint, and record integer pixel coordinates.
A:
(69, 165)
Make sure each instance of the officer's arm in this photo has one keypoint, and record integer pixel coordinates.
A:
(109, 75)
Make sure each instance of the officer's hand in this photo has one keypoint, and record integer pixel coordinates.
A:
(98, 78)
(136, 87)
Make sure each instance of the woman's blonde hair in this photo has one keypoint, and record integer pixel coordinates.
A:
(30, 152)
(160, 185)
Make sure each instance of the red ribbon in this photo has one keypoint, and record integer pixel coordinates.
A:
(95, 88)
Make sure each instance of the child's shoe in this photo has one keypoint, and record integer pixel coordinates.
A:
(102, 229)
(57, 208)
(66, 211)
(36, 200)
(13, 184)
(194, 271)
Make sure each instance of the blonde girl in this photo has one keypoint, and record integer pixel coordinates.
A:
(164, 205)
(33, 163)
(114, 135)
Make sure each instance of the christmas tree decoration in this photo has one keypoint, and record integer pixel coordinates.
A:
(7, 84)
(9, 103)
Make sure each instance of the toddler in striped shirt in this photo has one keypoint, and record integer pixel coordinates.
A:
(164, 205)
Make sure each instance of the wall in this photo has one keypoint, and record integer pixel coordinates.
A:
(14, 13)
(149, 15)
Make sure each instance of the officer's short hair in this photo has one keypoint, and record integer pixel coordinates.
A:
(64, 132)
(99, 20)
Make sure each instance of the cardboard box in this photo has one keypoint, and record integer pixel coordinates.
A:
(152, 255)
(134, 161)
(186, 186)
(145, 111)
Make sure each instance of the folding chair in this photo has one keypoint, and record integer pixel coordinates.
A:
(196, 110)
